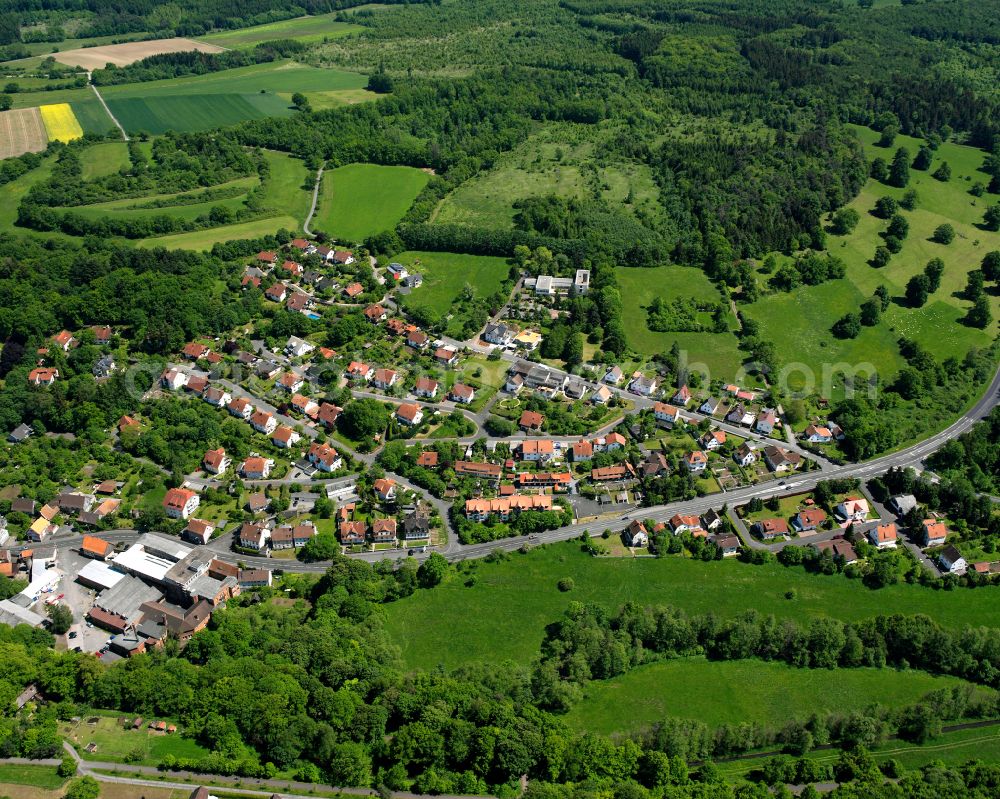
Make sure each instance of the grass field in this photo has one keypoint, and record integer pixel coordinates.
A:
(446, 274)
(205, 239)
(799, 322)
(35, 776)
(22, 131)
(202, 102)
(304, 29)
(104, 159)
(16, 189)
(92, 116)
(559, 159)
(765, 692)
(718, 351)
(503, 616)
(114, 742)
(359, 200)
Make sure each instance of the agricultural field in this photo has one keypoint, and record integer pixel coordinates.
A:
(560, 159)
(304, 29)
(799, 322)
(122, 54)
(219, 99)
(360, 200)
(42, 50)
(766, 692)
(446, 275)
(22, 131)
(503, 616)
(60, 122)
(718, 351)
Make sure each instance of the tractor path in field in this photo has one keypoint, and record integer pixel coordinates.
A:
(315, 200)
(114, 119)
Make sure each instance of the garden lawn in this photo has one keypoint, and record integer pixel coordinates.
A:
(114, 742)
(717, 351)
(743, 690)
(503, 616)
(304, 29)
(359, 200)
(104, 159)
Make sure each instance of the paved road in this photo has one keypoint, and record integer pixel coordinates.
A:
(315, 200)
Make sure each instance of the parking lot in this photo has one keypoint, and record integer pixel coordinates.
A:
(80, 599)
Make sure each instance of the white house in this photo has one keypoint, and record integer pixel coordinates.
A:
(951, 560)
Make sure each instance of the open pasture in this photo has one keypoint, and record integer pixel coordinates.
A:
(359, 200)
(304, 29)
(504, 614)
(123, 54)
(22, 131)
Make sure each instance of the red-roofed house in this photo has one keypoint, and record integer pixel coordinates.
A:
(193, 351)
(385, 378)
(64, 340)
(285, 437)
(43, 376)
(180, 503)
(425, 387)
(462, 393)
(357, 370)
(883, 536)
(328, 413)
(256, 468)
(215, 461)
(375, 314)
(409, 413)
(324, 457)
(531, 421)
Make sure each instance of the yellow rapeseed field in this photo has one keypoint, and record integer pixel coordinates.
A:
(60, 122)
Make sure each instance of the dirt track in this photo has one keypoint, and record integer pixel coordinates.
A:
(22, 131)
(122, 54)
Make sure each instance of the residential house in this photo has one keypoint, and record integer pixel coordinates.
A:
(684, 523)
(299, 302)
(736, 414)
(934, 533)
(410, 414)
(74, 502)
(342, 257)
(43, 376)
(682, 396)
(636, 534)
(252, 536)
(417, 339)
(771, 528)
(428, 459)
(385, 489)
(297, 347)
(696, 461)
(385, 378)
(537, 450)
(263, 422)
(601, 395)
(951, 560)
(729, 544)
(267, 257)
(667, 415)
(607, 474)
(710, 406)
(256, 468)
(499, 334)
(575, 389)
(614, 375)
(581, 451)
(240, 408)
(711, 520)
(745, 455)
(488, 471)
(104, 367)
(416, 526)
(292, 267)
(425, 387)
(328, 414)
(883, 536)
(781, 460)
(558, 481)
(196, 385)
(285, 437)
(305, 405)
(413, 281)
(396, 271)
(766, 421)
(265, 369)
(816, 434)
(198, 531)
(352, 533)
(276, 292)
(531, 422)
(291, 382)
(903, 504)
(840, 548)
(643, 386)
(462, 393)
(357, 370)
(217, 397)
(324, 457)
(447, 356)
(352, 290)
(215, 461)
(64, 340)
(180, 503)
(503, 507)
(384, 531)
(96, 548)
(102, 333)
(376, 314)
(193, 351)
(254, 578)
(654, 465)
(853, 509)
(20, 434)
(258, 502)
(712, 439)
(808, 520)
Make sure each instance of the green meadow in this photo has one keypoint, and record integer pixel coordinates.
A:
(739, 690)
(304, 29)
(202, 102)
(504, 614)
(446, 275)
(718, 351)
(359, 200)
(104, 159)
(799, 322)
